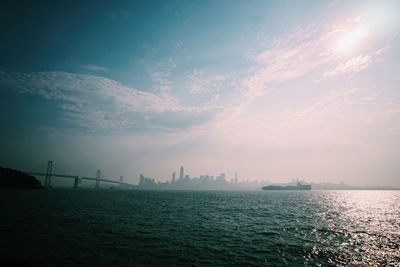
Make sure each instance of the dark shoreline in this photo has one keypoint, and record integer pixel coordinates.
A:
(17, 180)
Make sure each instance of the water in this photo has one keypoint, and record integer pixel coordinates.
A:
(182, 228)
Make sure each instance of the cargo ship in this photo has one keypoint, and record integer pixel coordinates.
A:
(299, 186)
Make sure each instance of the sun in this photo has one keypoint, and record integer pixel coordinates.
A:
(352, 39)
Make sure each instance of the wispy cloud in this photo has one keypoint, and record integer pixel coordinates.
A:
(94, 102)
(94, 68)
(286, 59)
(294, 63)
(308, 49)
(352, 66)
(201, 83)
(160, 74)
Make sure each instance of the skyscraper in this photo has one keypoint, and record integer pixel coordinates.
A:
(181, 173)
(235, 177)
(187, 178)
(173, 177)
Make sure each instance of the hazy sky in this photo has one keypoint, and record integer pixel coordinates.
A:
(271, 89)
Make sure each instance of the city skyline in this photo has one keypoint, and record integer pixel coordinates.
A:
(184, 182)
(274, 90)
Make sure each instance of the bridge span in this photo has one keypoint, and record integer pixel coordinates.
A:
(77, 178)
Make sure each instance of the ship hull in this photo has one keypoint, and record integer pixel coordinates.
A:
(289, 187)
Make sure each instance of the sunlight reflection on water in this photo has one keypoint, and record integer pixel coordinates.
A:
(362, 227)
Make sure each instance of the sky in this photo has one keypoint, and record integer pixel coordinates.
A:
(275, 90)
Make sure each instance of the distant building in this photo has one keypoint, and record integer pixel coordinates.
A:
(146, 182)
(181, 173)
(202, 182)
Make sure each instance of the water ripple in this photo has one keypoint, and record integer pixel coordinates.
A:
(152, 228)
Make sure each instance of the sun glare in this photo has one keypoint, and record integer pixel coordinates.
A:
(353, 38)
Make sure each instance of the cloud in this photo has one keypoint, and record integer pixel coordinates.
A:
(287, 59)
(306, 50)
(160, 74)
(94, 68)
(302, 61)
(352, 66)
(95, 103)
(199, 83)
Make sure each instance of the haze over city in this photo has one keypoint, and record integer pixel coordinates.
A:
(274, 90)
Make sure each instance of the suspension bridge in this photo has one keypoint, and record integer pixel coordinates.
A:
(49, 175)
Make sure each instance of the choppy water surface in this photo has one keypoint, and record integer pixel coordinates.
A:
(147, 228)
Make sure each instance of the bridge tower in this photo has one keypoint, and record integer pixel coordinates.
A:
(47, 180)
(77, 181)
(97, 179)
(121, 181)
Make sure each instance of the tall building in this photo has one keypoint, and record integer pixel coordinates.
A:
(173, 177)
(181, 173)
(187, 178)
(235, 177)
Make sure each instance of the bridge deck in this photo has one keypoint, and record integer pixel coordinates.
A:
(80, 177)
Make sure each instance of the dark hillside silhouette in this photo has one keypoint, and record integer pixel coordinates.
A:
(13, 179)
